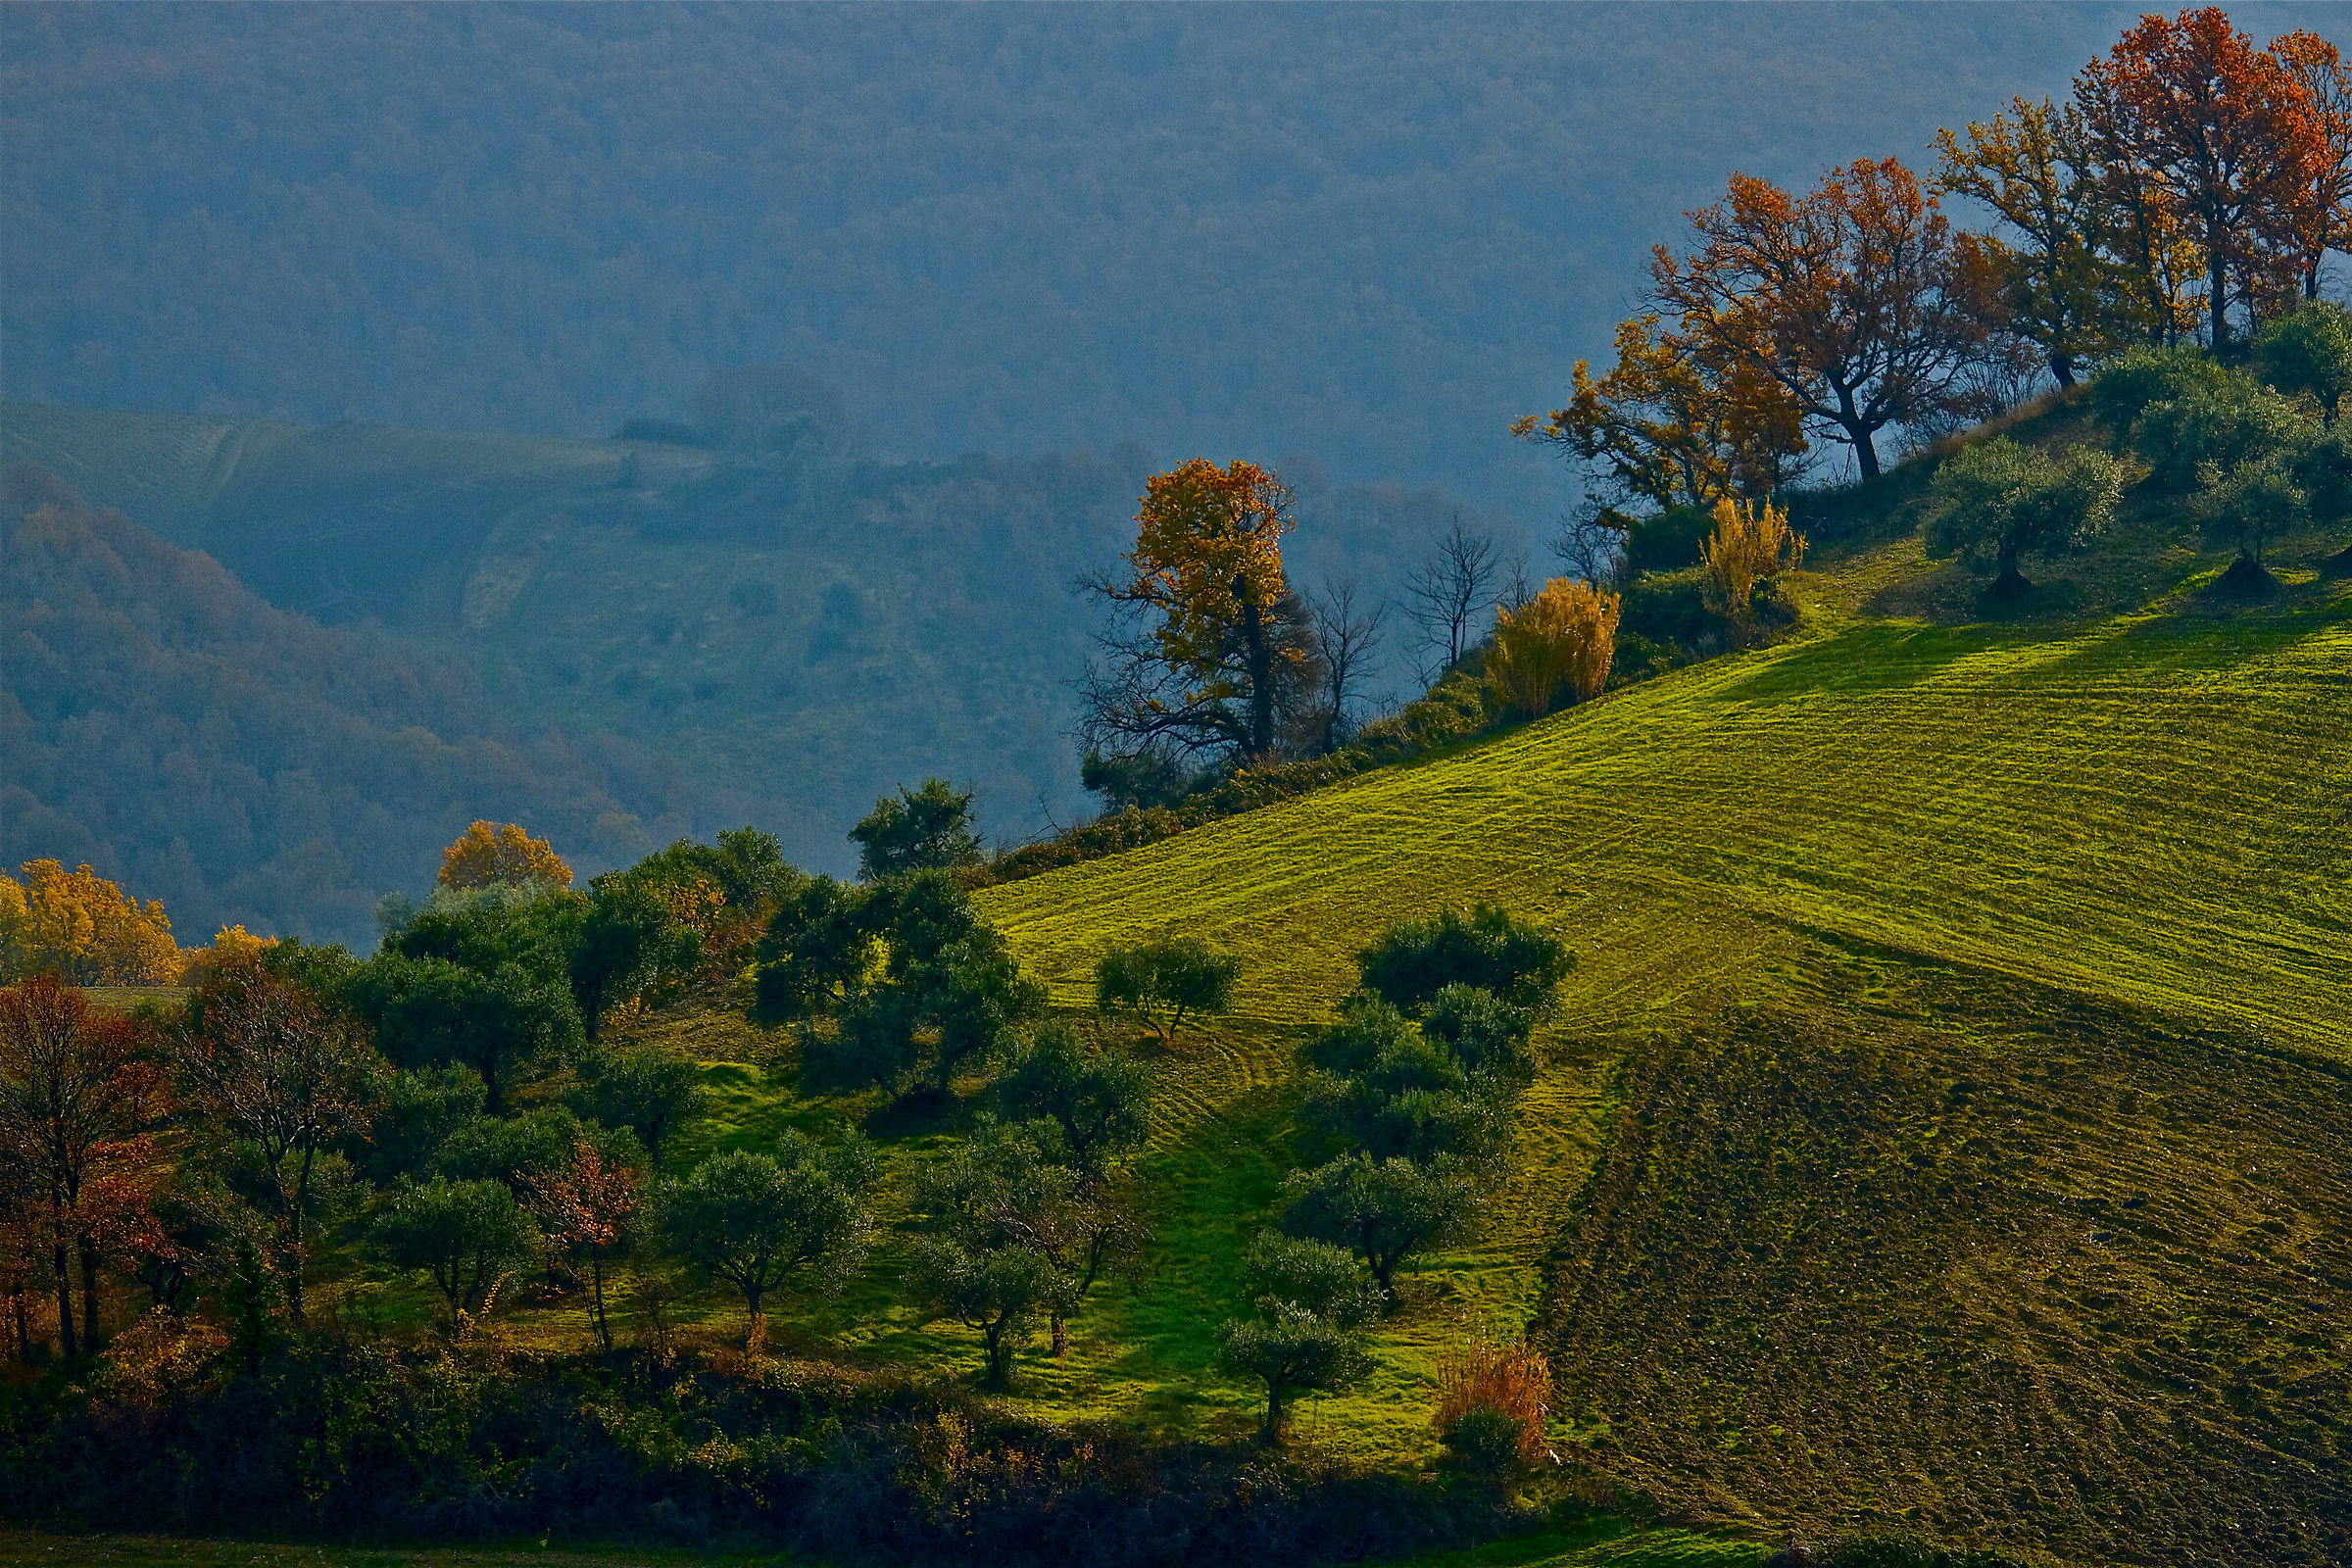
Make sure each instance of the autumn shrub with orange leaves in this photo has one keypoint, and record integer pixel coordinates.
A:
(1492, 1399)
(1555, 649)
(83, 928)
(491, 855)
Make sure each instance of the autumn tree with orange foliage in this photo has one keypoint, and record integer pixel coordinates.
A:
(1555, 649)
(2319, 220)
(273, 1067)
(1211, 652)
(2034, 167)
(74, 1089)
(1664, 427)
(491, 855)
(80, 926)
(1851, 298)
(2230, 136)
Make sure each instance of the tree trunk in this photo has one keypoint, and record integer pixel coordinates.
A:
(67, 1343)
(1062, 1336)
(1261, 671)
(1273, 1430)
(24, 1320)
(1866, 452)
(2008, 582)
(2062, 371)
(993, 1338)
(88, 1250)
(2219, 283)
(596, 1276)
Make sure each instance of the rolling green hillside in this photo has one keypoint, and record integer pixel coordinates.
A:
(1948, 1121)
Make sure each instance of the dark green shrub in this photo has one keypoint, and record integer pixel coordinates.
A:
(2144, 376)
(2309, 349)
(1412, 961)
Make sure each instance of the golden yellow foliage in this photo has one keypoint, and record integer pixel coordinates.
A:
(231, 944)
(1751, 544)
(1559, 642)
(1208, 550)
(490, 855)
(82, 927)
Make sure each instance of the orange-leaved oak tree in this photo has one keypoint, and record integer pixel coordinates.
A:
(1665, 426)
(2319, 219)
(1209, 654)
(75, 1087)
(1851, 298)
(2034, 167)
(2228, 135)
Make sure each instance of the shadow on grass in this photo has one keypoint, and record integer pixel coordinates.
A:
(1875, 657)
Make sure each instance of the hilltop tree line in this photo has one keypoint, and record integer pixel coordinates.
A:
(2190, 187)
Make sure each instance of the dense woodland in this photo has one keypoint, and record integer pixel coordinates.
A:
(444, 1235)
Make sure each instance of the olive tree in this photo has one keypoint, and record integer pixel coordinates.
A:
(758, 1220)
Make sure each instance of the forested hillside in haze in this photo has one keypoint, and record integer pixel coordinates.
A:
(1376, 234)
(245, 765)
(790, 625)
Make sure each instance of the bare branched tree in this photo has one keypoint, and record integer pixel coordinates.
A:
(1346, 634)
(1591, 543)
(1449, 595)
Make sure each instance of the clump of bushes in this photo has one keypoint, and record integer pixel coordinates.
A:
(1492, 1399)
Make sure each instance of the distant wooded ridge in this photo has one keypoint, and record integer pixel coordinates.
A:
(1377, 234)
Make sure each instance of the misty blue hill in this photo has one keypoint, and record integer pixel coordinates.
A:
(1372, 234)
(793, 626)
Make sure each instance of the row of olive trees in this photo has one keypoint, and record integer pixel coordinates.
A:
(1407, 1115)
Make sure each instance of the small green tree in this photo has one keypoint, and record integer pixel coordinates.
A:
(1099, 1099)
(2246, 506)
(758, 1220)
(1017, 1235)
(921, 830)
(1997, 501)
(1313, 1300)
(650, 1091)
(1166, 980)
(429, 1009)
(892, 978)
(1382, 1210)
(467, 1236)
(1391, 1089)
(2309, 349)
(819, 947)
(627, 944)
